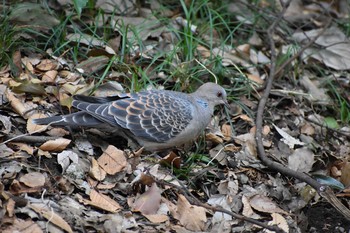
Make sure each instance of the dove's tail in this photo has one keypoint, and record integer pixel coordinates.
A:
(73, 120)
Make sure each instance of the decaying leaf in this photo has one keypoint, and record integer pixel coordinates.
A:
(287, 139)
(148, 202)
(279, 221)
(33, 179)
(112, 160)
(96, 171)
(301, 160)
(265, 204)
(23, 226)
(55, 145)
(191, 217)
(333, 50)
(101, 201)
(50, 215)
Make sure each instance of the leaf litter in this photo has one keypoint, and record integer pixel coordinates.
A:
(86, 182)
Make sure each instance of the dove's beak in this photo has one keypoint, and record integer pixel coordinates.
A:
(226, 104)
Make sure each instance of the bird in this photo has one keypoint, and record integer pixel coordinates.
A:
(156, 120)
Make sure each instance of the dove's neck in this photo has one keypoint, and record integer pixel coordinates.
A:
(204, 111)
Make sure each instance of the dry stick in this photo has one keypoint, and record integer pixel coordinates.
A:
(194, 201)
(29, 139)
(323, 190)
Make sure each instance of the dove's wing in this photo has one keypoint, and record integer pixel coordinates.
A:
(152, 116)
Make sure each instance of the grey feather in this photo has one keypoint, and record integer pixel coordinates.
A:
(156, 119)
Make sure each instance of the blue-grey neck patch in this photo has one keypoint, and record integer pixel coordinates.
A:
(202, 103)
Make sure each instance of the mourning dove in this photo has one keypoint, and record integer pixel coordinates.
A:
(155, 119)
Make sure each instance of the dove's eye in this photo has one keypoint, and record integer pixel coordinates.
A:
(219, 94)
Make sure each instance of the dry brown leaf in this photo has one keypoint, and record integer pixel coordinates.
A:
(247, 209)
(33, 179)
(213, 138)
(247, 119)
(24, 147)
(248, 143)
(46, 65)
(156, 218)
(16, 61)
(279, 221)
(34, 128)
(266, 130)
(23, 226)
(49, 76)
(50, 215)
(17, 188)
(232, 148)
(265, 204)
(307, 129)
(55, 145)
(10, 207)
(16, 103)
(96, 171)
(44, 153)
(171, 159)
(191, 217)
(255, 78)
(112, 160)
(345, 174)
(227, 132)
(203, 51)
(102, 201)
(148, 202)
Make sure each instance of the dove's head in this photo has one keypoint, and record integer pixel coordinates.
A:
(213, 93)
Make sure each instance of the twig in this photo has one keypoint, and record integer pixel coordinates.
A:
(28, 139)
(324, 191)
(194, 201)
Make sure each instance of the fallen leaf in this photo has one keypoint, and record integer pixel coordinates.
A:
(148, 202)
(156, 218)
(191, 217)
(301, 160)
(112, 160)
(46, 65)
(172, 159)
(102, 201)
(333, 49)
(34, 128)
(96, 171)
(279, 221)
(55, 145)
(265, 204)
(33, 179)
(23, 226)
(287, 139)
(50, 215)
